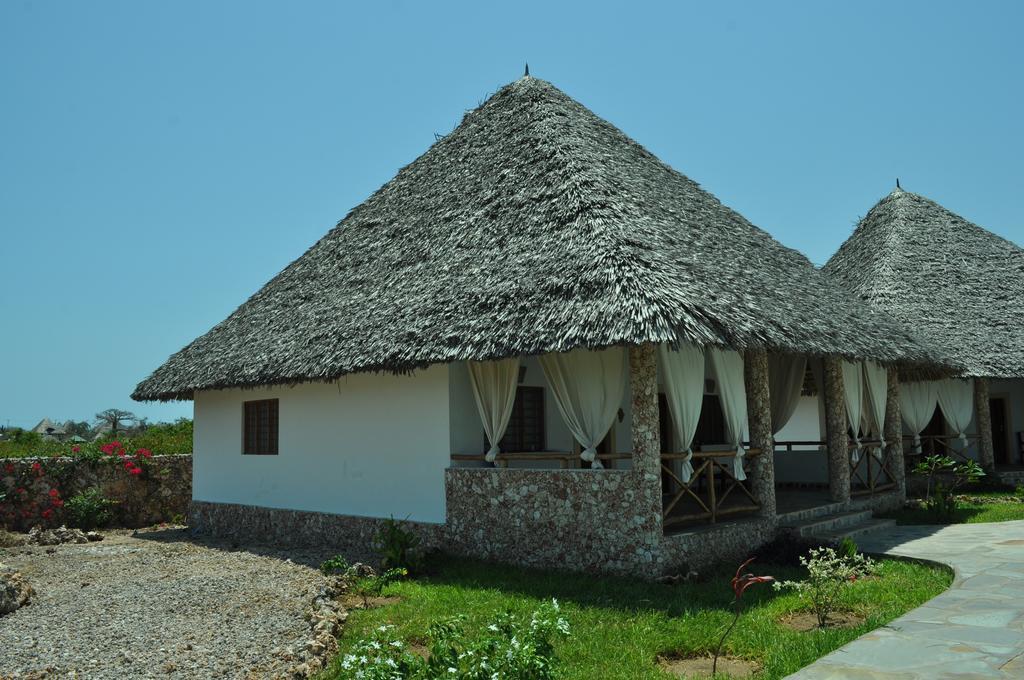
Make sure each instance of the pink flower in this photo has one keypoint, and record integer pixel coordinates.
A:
(145, 453)
(741, 582)
(135, 471)
(107, 449)
(115, 443)
(76, 449)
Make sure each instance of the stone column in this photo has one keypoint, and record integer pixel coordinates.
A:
(643, 385)
(894, 430)
(983, 419)
(759, 420)
(835, 425)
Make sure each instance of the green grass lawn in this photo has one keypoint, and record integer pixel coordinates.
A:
(620, 626)
(990, 506)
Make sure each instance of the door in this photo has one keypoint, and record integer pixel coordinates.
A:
(1000, 430)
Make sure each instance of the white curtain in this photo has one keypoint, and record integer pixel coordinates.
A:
(727, 367)
(853, 391)
(494, 387)
(917, 404)
(956, 399)
(684, 386)
(785, 382)
(876, 384)
(588, 388)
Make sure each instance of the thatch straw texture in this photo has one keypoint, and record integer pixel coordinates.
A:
(957, 286)
(535, 226)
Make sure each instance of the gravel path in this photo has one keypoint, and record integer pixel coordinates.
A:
(157, 604)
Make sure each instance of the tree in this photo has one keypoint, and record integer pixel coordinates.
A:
(113, 417)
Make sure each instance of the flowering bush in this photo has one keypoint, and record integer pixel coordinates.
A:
(509, 648)
(27, 497)
(828, 575)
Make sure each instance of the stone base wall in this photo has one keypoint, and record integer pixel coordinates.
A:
(703, 547)
(882, 502)
(580, 520)
(298, 528)
(35, 490)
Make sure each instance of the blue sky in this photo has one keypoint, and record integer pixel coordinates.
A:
(159, 162)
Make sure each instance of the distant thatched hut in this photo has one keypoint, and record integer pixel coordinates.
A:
(488, 306)
(961, 289)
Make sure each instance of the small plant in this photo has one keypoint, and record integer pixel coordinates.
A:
(508, 648)
(1019, 491)
(940, 498)
(89, 509)
(740, 583)
(373, 586)
(398, 547)
(828, 574)
(336, 565)
(847, 548)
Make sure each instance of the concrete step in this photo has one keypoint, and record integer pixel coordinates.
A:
(829, 523)
(857, 531)
(795, 517)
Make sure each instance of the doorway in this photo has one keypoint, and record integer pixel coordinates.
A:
(1000, 430)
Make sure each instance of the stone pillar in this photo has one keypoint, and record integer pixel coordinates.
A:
(759, 420)
(983, 419)
(835, 425)
(893, 430)
(643, 386)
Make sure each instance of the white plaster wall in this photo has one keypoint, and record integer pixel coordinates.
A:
(805, 464)
(368, 445)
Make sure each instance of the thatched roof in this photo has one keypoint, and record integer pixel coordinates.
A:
(956, 285)
(534, 226)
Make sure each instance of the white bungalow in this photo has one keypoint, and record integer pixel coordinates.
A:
(542, 345)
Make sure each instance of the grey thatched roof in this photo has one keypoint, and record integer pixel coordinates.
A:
(956, 285)
(534, 226)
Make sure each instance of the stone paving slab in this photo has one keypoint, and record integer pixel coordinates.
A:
(973, 630)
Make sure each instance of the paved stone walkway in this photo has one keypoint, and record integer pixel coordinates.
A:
(973, 630)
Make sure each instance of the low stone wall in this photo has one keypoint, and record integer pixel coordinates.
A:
(298, 528)
(35, 490)
(579, 520)
(702, 547)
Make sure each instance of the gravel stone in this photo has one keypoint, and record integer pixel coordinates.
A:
(161, 604)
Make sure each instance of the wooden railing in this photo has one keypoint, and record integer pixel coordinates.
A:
(706, 497)
(871, 474)
(566, 459)
(938, 445)
(789, 445)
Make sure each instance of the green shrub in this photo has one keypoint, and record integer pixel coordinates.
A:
(847, 548)
(335, 565)
(373, 586)
(89, 509)
(398, 548)
(940, 498)
(509, 648)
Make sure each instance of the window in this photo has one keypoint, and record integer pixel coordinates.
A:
(526, 426)
(711, 426)
(260, 428)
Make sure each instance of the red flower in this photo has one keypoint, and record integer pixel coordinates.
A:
(76, 449)
(115, 443)
(37, 468)
(47, 514)
(57, 503)
(128, 465)
(54, 493)
(9, 468)
(145, 453)
(135, 471)
(107, 449)
(740, 582)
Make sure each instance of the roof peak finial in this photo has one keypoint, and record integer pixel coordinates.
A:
(898, 183)
(527, 70)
